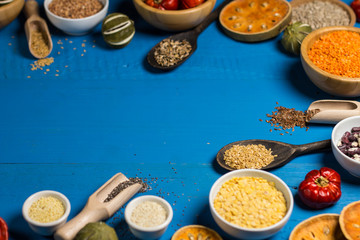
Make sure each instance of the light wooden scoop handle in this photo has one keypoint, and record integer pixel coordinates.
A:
(31, 8)
(333, 111)
(96, 209)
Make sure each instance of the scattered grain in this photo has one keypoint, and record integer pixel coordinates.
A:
(248, 156)
(39, 64)
(250, 202)
(289, 118)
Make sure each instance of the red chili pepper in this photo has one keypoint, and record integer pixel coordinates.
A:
(320, 189)
(163, 4)
(191, 3)
(355, 5)
(4, 235)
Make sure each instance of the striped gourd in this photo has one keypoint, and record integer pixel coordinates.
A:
(118, 30)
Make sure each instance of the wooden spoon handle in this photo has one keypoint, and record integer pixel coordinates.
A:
(87, 215)
(211, 17)
(313, 147)
(31, 8)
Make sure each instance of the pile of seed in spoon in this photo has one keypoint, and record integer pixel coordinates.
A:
(169, 52)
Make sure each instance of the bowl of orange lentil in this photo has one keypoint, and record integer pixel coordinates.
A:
(330, 57)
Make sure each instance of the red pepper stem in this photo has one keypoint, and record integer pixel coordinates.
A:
(321, 181)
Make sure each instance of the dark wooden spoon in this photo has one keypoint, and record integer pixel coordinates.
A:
(285, 152)
(191, 36)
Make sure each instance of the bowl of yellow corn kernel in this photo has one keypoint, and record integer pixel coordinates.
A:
(46, 211)
(250, 203)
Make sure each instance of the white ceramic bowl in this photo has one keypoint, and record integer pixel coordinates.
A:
(46, 229)
(247, 233)
(79, 26)
(148, 232)
(351, 165)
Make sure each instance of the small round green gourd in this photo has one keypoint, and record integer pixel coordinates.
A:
(118, 30)
(96, 231)
(293, 36)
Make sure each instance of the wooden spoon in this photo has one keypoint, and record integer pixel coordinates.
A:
(285, 152)
(191, 36)
(33, 25)
(96, 208)
(333, 111)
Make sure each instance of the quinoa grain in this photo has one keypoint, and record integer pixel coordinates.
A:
(75, 8)
(39, 44)
(248, 156)
(39, 64)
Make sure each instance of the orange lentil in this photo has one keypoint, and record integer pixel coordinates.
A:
(337, 53)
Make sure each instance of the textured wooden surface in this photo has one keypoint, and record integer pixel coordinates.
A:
(98, 111)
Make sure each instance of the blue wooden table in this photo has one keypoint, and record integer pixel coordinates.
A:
(97, 111)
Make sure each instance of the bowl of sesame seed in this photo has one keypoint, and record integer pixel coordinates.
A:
(330, 58)
(148, 216)
(76, 17)
(46, 211)
(250, 203)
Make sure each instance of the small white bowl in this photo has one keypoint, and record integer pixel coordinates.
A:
(78, 26)
(351, 165)
(247, 233)
(46, 229)
(148, 232)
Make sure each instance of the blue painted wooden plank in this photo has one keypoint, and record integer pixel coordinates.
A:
(96, 111)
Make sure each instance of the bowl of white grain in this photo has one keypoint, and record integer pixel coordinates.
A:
(148, 216)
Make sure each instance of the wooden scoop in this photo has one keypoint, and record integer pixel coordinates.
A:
(333, 111)
(96, 209)
(40, 46)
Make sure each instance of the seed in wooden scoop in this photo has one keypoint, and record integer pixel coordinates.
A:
(118, 30)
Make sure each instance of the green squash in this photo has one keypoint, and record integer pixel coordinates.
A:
(293, 36)
(118, 30)
(96, 231)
